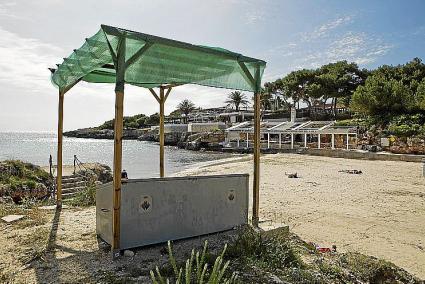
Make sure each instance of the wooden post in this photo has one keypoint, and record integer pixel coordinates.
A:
(161, 131)
(118, 133)
(59, 158)
(333, 141)
(118, 130)
(247, 140)
(257, 141)
(305, 140)
(161, 99)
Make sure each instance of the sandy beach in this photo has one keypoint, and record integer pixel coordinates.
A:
(380, 212)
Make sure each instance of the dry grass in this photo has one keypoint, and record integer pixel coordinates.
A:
(33, 216)
(34, 245)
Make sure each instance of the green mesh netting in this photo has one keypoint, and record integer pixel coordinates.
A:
(152, 61)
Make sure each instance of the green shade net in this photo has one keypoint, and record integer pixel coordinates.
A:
(152, 61)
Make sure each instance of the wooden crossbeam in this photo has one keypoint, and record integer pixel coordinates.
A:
(138, 54)
(248, 74)
(155, 95)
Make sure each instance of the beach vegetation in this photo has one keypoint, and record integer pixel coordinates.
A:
(85, 197)
(34, 245)
(196, 270)
(136, 122)
(23, 181)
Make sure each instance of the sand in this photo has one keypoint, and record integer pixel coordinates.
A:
(380, 212)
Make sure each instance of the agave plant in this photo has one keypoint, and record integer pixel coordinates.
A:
(196, 270)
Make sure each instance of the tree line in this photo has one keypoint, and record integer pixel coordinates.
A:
(391, 97)
(388, 89)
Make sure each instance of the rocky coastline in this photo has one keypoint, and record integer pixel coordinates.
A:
(211, 141)
(96, 133)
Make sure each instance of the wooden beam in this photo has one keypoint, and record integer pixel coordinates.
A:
(118, 133)
(155, 95)
(248, 76)
(59, 158)
(137, 54)
(161, 131)
(257, 141)
(166, 95)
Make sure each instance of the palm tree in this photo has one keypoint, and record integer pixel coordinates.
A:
(185, 107)
(237, 98)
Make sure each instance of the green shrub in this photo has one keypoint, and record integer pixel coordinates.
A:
(373, 270)
(85, 197)
(266, 252)
(196, 269)
(407, 125)
(20, 180)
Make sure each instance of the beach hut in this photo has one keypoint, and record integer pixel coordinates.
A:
(120, 56)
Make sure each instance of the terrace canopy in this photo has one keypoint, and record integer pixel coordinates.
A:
(120, 56)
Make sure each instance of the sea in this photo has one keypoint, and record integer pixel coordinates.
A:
(140, 158)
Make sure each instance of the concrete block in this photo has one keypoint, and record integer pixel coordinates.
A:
(12, 218)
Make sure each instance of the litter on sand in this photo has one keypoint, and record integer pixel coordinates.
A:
(292, 175)
(353, 172)
(324, 249)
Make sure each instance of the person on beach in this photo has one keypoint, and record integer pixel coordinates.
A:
(124, 176)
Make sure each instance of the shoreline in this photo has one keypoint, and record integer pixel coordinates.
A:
(223, 161)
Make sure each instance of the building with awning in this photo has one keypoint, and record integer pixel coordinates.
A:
(294, 134)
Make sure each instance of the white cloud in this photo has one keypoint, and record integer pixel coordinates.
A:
(353, 47)
(5, 11)
(330, 42)
(420, 31)
(24, 61)
(254, 16)
(326, 29)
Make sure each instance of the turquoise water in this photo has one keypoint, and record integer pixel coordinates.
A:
(140, 158)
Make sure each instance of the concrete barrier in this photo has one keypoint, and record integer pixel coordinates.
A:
(161, 209)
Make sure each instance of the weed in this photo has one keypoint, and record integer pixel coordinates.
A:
(85, 197)
(34, 245)
(265, 252)
(33, 215)
(196, 269)
(374, 270)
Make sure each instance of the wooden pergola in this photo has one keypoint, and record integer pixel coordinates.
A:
(119, 56)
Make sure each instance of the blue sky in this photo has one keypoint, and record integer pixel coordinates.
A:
(289, 35)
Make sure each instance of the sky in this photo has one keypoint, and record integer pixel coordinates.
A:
(288, 35)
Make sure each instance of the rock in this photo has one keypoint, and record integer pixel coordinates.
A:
(12, 218)
(128, 253)
(98, 172)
